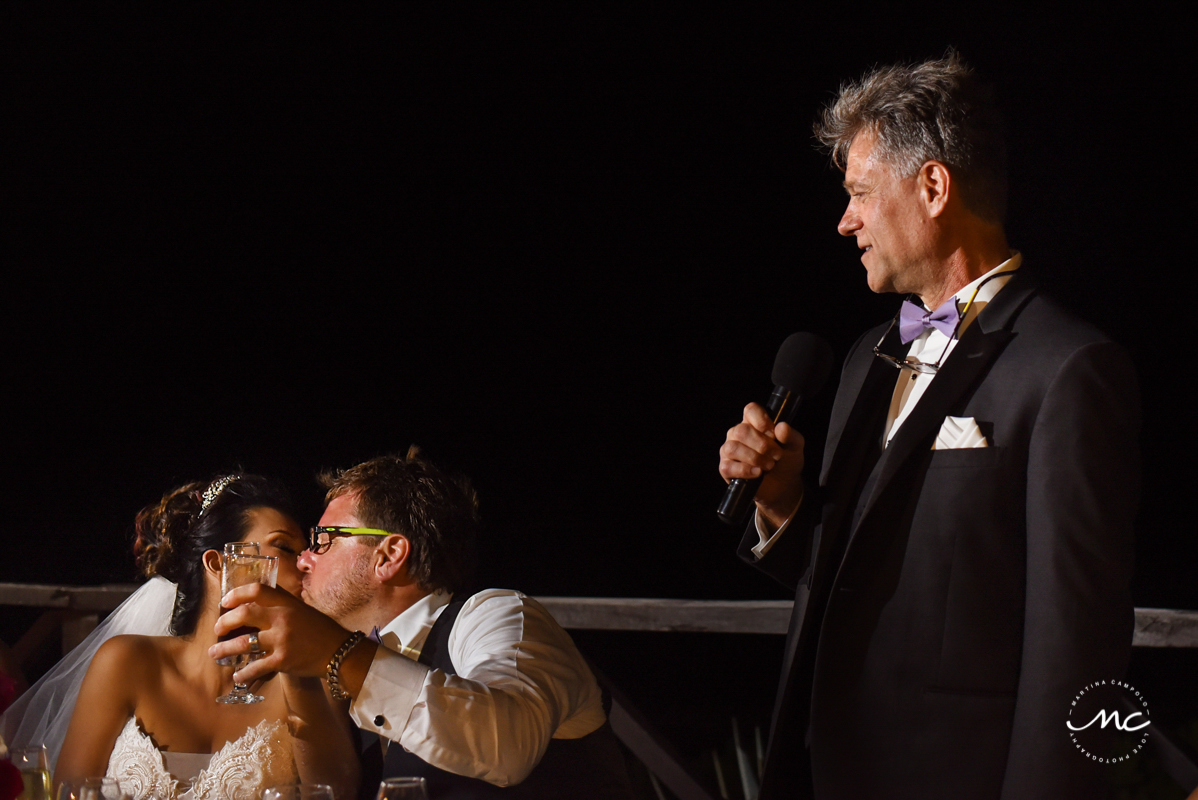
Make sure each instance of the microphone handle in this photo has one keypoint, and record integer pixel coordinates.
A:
(738, 497)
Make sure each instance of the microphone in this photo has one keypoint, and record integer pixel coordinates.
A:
(800, 369)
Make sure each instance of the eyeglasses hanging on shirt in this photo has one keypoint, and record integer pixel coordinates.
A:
(915, 320)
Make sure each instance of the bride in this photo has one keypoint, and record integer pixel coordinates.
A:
(146, 712)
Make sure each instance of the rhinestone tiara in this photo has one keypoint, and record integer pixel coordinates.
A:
(213, 491)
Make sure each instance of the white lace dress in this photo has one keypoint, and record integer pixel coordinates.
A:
(260, 757)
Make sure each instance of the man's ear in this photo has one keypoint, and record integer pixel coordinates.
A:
(391, 557)
(935, 187)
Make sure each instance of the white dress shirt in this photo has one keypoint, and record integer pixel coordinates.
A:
(520, 682)
(928, 348)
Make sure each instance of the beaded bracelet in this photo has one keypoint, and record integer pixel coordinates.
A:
(333, 669)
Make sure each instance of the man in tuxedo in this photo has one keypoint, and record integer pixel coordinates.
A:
(962, 567)
(484, 695)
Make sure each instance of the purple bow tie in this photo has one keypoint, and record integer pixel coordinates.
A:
(914, 320)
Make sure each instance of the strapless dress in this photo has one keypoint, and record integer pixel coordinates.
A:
(260, 757)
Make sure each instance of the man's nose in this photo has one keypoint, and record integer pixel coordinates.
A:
(850, 223)
(304, 560)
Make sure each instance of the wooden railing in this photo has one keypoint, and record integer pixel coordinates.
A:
(1155, 627)
(76, 610)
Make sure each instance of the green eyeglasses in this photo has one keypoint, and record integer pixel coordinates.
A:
(321, 538)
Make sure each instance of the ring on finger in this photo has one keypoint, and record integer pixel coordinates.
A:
(255, 646)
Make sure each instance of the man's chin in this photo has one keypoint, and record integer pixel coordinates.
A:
(313, 602)
(881, 284)
(874, 280)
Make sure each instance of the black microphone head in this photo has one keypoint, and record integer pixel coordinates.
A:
(803, 363)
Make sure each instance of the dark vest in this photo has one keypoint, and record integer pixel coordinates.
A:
(590, 768)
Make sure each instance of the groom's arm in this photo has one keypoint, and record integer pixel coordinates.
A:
(520, 681)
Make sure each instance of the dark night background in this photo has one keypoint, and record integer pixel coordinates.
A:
(555, 246)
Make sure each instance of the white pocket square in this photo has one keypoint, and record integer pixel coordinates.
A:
(959, 433)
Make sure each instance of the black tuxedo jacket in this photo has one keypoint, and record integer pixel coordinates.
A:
(950, 604)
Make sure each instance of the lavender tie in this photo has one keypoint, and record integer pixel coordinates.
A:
(914, 320)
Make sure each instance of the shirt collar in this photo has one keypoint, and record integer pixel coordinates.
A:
(406, 633)
(936, 339)
(987, 291)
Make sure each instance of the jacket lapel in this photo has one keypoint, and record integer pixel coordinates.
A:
(853, 430)
(864, 379)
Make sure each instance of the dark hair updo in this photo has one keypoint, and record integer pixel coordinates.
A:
(174, 534)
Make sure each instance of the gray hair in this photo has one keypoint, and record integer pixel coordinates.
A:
(934, 111)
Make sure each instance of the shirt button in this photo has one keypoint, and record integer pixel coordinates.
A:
(380, 720)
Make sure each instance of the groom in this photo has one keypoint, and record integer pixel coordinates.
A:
(483, 695)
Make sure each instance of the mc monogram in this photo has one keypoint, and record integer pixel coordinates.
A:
(1125, 725)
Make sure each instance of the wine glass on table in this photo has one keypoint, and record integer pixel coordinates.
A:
(242, 569)
(402, 789)
(35, 771)
(299, 791)
(233, 548)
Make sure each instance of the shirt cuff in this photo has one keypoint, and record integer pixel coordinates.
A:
(766, 540)
(388, 694)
